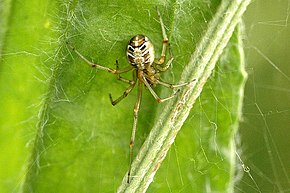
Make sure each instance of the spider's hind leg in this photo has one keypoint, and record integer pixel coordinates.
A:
(168, 85)
(131, 82)
(127, 91)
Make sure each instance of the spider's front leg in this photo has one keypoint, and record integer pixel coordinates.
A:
(117, 71)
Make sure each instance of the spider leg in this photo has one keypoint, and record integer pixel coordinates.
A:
(132, 140)
(126, 92)
(124, 79)
(165, 40)
(163, 69)
(157, 98)
(173, 85)
(119, 71)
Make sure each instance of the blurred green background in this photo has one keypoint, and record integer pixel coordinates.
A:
(264, 137)
(264, 131)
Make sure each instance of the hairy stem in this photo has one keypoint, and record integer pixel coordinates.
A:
(200, 67)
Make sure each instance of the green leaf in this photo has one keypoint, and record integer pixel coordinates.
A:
(82, 141)
(25, 29)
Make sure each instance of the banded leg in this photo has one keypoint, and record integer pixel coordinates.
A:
(164, 68)
(157, 98)
(127, 91)
(173, 85)
(124, 79)
(132, 140)
(119, 71)
(165, 40)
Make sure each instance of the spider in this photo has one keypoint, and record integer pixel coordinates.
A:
(146, 71)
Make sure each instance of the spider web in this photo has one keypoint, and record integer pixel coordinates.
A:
(263, 132)
(263, 139)
(262, 157)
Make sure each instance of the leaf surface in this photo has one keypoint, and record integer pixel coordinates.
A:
(82, 141)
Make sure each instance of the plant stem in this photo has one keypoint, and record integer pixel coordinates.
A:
(200, 66)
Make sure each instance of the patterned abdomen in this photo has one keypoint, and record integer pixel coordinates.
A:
(140, 52)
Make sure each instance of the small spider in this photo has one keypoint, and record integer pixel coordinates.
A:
(146, 70)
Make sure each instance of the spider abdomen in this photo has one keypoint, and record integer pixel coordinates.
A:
(140, 52)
